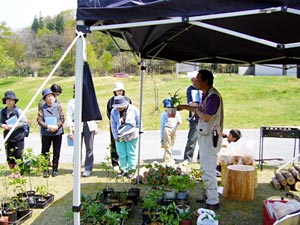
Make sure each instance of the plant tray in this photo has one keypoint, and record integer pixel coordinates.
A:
(41, 205)
(22, 219)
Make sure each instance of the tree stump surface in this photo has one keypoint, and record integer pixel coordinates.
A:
(240, 183)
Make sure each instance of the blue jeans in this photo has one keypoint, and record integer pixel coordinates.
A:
(191, 142)
(127, 154)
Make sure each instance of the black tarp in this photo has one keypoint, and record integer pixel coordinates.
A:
(185, 41)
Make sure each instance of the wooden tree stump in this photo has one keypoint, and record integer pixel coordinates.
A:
(239, 185)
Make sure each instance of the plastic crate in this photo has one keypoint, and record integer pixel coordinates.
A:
(269, 217)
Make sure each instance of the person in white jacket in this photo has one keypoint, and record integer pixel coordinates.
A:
(89, 129)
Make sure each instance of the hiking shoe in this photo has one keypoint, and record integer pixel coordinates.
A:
(86, 173)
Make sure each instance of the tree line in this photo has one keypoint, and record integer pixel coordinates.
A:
(34, 51)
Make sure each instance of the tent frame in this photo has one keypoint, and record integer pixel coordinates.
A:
(193, 21)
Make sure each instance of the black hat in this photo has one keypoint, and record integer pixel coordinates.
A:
(10, 95)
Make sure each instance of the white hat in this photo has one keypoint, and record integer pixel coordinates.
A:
(119, 86)
(192, 74)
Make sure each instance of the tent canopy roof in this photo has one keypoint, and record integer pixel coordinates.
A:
(232, 31)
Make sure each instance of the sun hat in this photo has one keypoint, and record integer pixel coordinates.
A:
(167, 102)
(120, 101)
(119, 86)
(47, 92)
(10, 95)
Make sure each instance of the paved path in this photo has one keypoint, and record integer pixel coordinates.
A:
(150, 146)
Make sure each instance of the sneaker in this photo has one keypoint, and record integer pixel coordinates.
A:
(130, 176)
(86, 173)
(54, 173)
(185, 162)
(116, 168)
(15, 175)
(121, 174)
(218, 173)
(46, 173)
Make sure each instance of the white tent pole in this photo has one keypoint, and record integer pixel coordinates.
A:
(77, 130)
(143, 68)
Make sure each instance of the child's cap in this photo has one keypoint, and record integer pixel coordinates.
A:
(167, 102)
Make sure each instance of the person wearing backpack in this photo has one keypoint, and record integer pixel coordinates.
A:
(51, 120)
(15, 143)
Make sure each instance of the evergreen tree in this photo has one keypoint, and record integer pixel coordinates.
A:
(41, 22)
(59, 24)
(35, 25)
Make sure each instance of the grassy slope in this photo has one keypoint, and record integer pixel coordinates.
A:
(249, 102)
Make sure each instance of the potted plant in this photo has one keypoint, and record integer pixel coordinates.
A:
(150, 208)
(185, 218)
(168, 215)
(108, 170)
(175, 100)
(114, 218)
(182, 184)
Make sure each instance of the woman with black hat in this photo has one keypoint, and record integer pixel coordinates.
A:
(51, 120)
(9, 115)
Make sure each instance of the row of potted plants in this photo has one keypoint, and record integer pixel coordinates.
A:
(156, 210)
(18, 193)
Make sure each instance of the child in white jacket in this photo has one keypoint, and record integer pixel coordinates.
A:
(168, 127)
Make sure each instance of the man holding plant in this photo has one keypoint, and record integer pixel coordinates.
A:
(210, 128)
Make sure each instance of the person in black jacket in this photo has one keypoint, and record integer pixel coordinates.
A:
(118, 90)
(15, 143)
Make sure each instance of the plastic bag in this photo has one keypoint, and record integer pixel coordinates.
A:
(206, 217)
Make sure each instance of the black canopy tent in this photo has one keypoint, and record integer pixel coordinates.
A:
(231, 31)
(216, 31)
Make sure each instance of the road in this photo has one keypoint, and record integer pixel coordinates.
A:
(150, 146)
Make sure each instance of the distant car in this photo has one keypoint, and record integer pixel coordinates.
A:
(121, 75)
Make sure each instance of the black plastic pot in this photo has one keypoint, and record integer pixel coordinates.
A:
(134, 194)
(107, 191)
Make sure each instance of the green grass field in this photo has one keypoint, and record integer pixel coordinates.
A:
(249, 102)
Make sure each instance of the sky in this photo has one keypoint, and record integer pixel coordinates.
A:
(20, 13)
